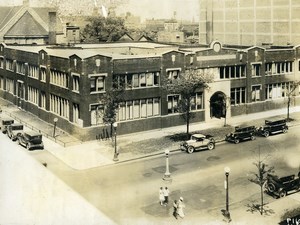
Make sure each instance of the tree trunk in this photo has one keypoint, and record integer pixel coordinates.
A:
(187, 124)
(288, 108)
(262, 198)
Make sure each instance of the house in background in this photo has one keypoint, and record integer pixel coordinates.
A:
(28, 25)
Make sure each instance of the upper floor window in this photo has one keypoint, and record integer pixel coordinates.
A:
(279, 68)
(59, 78)
(255, 93)
(138, 80)
(43, 74)
(256, 70)
(9, 64)
(20, 68)
(1, 62)
(97, 82)
(232, 72)
(33, 71)
(173, 74)
(75, 82)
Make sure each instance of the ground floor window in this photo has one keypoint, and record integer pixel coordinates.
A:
(173, 101)
(141, 108)
(10, 85)
(1, 83)
(197, 101)
(75, 112)
(278, 90)
(33, 95)
(255, 93)
(97, 111)
(237, 95)
(43, 100)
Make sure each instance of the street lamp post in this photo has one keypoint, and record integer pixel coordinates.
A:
(115, 125)
(54, 128)
(227, 213)
(167, 175)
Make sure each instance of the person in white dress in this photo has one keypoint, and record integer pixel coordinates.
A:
(180, 209)
(161, 196)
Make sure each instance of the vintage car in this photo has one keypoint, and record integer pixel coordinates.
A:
(198, 142)
(241, 134)
(30, 140)
(280, 186)
(14, 130)
(273, 126)
(4, 122)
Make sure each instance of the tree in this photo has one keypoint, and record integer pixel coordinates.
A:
(111, 100)
(186, 85)
(295, 84)
(101, 29)
(260, 178)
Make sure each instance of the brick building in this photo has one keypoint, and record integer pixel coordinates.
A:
(66, 83)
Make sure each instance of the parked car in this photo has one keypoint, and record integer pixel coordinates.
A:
(241, 134)
(280, 186)
(273, 126)
(14, 130)
(198, 142)
(4, 122)
(30, 140)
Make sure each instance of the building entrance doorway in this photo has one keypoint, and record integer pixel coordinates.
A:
(218, 105)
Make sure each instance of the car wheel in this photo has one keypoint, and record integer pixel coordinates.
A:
(267, 134)
(211, 146)
(284, 130)
(282, 193)
(271, 187)
(236, 141)
(252, 137)
(265, 186)
(18, 142)
(190, 149)
(28, 147)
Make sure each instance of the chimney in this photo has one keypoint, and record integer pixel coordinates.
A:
(52, 28)
(209, 22)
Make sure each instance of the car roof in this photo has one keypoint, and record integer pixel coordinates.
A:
(31, 133)
(199, 135)
(275, 118)
(16, 124)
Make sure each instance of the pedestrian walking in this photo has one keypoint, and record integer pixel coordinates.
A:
(161, 196)
(180, 208)
(166, 195)
(175, 208)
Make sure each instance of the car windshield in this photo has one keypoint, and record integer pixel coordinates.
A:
(17, 127)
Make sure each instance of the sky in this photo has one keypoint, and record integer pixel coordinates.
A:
(146, 9)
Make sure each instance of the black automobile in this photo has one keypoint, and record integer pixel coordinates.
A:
(273, 126)
(280, 186)
(241, 134)
(14, 130)
(4, 122)
(30, 140)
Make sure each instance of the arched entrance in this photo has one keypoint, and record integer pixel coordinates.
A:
(218, 105)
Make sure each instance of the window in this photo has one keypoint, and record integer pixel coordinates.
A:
(43, 74)
(10, 85)
(59, 106)
(196, 101)
(238, 95)
(59, 78)
(277, 90)
(76, 113)
(20, 68)
(33, 95)
(75, 81)
(232, 72)
(9, 64)
(1, 62)
(33, 71)
(96, 114)
(256, 70)
(268, 68)
(141, 80)
(173, 101)
(255, 93)
(173, 74)
(97, 83)
(43, 100)
(1, 83)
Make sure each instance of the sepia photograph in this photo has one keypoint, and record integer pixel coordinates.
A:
(149, 112)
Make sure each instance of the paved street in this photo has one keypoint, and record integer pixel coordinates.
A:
(127, 192)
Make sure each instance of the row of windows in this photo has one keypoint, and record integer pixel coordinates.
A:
(238, 95)
(131, 81)
(20, 67)
(196, 103)
(278, 90)
(33, 71)
(59, 106)
(59, 78)
(231, 72)
(279, 68)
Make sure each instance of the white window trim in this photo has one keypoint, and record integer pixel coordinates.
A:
(256, 63)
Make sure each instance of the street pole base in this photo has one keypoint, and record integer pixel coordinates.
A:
(226, 214)
(116, 157)
(167, 177)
